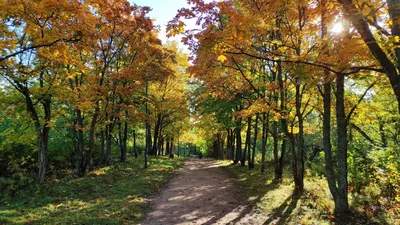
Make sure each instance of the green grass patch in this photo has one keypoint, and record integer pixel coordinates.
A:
(118, 194)
(274, 200)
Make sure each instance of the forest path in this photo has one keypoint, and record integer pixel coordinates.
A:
(203, 193)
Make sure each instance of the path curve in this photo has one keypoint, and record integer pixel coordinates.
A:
(202, 193)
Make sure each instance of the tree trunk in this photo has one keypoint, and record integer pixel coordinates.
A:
(160, 141)
(251, 164)
(221, 146)
(148, 132)
(79, 130)
(135, 152)
(73, 162)
(42, 155)
(382, 132)
(102, 140)
(276, 150)
(167, 150)
(247, 144)
(46, 102)
(42, 133)
(264, 138)
(299, 184)
(329, 169)
(238, 130)
(162, 146)
(233, 139)
(123, 138)
(179, 149)
(228, 145)
(298, 189)
(87, 156)
(156, 133)
(171, 153)
(283, 113)
(107, 159)
(342, 202)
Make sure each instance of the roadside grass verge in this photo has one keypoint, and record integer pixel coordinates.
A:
(118, 194)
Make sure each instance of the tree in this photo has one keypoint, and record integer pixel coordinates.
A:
(35, 34)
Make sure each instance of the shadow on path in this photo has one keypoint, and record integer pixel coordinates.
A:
(203, 193)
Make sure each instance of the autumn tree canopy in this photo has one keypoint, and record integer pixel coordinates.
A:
(307, 88)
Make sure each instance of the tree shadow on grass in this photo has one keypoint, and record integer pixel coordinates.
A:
(283, 212)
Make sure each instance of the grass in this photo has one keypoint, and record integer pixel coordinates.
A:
(275, 202)
(118, 194)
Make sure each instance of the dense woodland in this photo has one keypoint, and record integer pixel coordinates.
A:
(307, 87)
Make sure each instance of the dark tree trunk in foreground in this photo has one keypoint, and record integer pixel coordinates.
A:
(342, 202)
(42, 131)
(329, 170)
(275, 133)
(340, 199)
(43, 142)
(299, 178)
(283, 112)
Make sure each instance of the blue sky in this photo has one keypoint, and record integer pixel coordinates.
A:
(163, 11)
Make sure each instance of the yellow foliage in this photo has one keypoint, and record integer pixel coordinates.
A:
(222, 58)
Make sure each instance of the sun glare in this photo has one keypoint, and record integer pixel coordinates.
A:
(337, 28)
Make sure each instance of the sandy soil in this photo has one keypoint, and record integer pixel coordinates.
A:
(203, 193)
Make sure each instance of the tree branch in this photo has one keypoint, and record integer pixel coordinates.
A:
(359, 101)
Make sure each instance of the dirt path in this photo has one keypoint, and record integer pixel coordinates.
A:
(203, 193)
